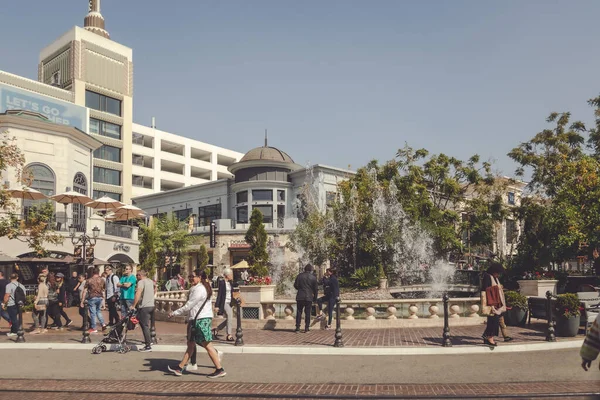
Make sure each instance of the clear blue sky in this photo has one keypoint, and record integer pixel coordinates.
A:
(340, 82)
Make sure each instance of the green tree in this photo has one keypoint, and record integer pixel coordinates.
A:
(174, 241)
(256, 237)
(202, 257)
(150, 247)
(565, 177)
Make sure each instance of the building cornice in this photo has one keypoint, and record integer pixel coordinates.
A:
(51, 128)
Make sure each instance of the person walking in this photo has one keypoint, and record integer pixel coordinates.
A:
(127, 285)
(82, 309)
(62, 298)
(331, 289)
(493, 303)
(307, 286)
(40, 306)
(72, 293)
(144, 298)
(112, 295)
(94, 291)
(224, 302)
(3, 313)
(53, 308)
(199, 311)
(591, 345)
(10, 305)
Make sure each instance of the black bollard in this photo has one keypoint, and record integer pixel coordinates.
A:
(239, 334)
(20, 333)
(446, 335)
(153, 326)
(86, 324)
(550, 333)
(338, 325)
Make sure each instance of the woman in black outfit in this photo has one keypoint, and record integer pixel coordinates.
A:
(224, 302)
(331, 289)
(490, 279)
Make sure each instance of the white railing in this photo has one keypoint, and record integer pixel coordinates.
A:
(367, 310)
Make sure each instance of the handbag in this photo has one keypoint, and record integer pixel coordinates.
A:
(492, 296)
(193, 325)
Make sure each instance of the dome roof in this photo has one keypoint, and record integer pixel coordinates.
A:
(267, 153)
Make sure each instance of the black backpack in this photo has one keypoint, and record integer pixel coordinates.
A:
(19, 295)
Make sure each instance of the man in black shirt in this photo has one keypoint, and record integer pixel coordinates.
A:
(307, 286)
(3, 283)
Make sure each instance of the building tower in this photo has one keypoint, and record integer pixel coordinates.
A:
(94, 21)
(99, 74)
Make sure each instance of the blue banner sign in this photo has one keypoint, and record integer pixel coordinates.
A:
(57, 111)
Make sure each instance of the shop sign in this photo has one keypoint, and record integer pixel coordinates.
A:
(121, 247)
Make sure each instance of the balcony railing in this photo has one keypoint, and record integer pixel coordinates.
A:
(59, 223)
(114, 229)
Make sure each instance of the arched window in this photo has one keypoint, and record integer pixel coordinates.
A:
(79, 186)
(43, 180)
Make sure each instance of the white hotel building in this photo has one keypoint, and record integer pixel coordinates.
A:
(75, 128)
(86, 68)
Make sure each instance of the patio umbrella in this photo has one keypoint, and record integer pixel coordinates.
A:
(241, 265)
(27, 193)
(129, 212)
(104, 204)
(71, 197)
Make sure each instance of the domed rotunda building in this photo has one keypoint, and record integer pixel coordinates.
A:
(265, 178)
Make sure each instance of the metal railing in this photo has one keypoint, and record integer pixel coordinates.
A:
(113, 229)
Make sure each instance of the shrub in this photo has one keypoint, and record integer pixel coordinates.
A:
(567, 305)
(29, 306)
(515, 300)
(365, 277)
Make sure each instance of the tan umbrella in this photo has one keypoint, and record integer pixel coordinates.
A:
(241, 265)
(104, 204)
(126, 213)
(27, 193)
(71, 197)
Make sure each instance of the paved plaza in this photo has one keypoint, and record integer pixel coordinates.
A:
(283, 366)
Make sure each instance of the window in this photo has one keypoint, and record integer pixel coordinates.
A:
(207, 214)
(330, 198)
(141, 181)
(267, 212)
(105, 128)
(182, 215)
(102, 103)
(43, 178)
(511, 198)
(262, 195)
(109, 153)
(162, 215)
(101, 193)
(511, 231)
(108, 176)
(79, 186)
(280, 216)
(242, 197)
(242, 215)
(281, 195)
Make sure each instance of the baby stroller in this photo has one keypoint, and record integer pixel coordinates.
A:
(117, 335)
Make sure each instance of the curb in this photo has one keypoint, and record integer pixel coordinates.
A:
(331, 351)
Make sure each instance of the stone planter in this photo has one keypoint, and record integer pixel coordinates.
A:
(515, 317)
(254, 294)
(567, 327)
(383, 283)
(537, 288)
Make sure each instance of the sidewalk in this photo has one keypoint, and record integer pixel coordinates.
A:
(169, 333)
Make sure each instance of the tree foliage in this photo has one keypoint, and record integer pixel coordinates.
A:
(202, 257)
(564, 163)
(256, 237)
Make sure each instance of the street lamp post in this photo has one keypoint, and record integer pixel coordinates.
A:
(84, 240)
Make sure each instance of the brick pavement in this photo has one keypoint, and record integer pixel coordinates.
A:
(173, 333)
(170, 333)
(100, 389)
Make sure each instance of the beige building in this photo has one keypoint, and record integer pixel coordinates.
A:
(86, 68)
